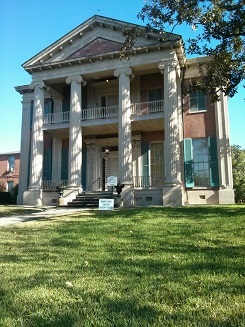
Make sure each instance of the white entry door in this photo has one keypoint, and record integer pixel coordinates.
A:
(113, 166)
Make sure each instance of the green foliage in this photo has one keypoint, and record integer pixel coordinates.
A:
(2, 187)
(136, 267)
(218, 31)
(238, 165)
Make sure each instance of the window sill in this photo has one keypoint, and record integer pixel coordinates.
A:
(197, 112)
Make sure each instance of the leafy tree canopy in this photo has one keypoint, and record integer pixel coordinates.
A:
(238, 164)
(218, 31)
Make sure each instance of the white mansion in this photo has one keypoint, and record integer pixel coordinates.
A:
(89, 114)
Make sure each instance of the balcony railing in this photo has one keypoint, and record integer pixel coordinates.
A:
(99, 113)
(56, 117)
(147, 181)
(145, 108)
(142, 108)
(49, 185)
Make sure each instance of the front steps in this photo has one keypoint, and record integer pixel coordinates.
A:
(90, 199)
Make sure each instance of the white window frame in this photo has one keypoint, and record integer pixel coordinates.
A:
(197, 96)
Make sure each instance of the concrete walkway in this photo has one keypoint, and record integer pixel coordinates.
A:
(43, 213)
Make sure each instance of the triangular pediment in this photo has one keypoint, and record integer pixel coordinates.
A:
(97, 36)
(97, 46)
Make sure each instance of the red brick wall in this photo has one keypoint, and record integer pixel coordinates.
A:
(150, 81)
(9, 176)
(199, 124)
(152, 136)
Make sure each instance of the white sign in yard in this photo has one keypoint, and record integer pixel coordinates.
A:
(106, 204)
(112, 181)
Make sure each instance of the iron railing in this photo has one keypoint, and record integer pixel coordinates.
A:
(49, 185)
(99, 113)
(56, 117)
(145, 108)
(142, 108)
(147, 181)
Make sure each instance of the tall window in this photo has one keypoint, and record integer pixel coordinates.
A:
(11, 161)
(10, 186)
(201, 162)
(155, 94)
(156, 160)
(197, 101)
(152, 164)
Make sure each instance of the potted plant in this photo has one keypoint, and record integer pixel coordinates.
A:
(119, 188)
(60, 186)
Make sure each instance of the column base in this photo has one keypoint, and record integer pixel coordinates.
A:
(127, 196)
(33, 197)
(173, 195)
(226, 196)
(20, 198)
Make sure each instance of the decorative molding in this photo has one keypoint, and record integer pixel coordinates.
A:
(167, 63)
(40, 84)
(127, 71)
(76, 78)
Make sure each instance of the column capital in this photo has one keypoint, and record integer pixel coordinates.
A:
(127, 71)
(167, 63)
(76, 78)
(40, 84)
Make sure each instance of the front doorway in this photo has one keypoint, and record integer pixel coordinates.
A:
(109, 167)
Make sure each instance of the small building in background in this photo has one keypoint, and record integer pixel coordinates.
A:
(9, 170)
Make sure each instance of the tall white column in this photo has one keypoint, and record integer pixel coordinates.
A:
(226, 193)
(25, 145)
(172, 190)
(75, 133)
(33, 196)
(124, 126)
(125, 167)
(37, 137)
(56, 144)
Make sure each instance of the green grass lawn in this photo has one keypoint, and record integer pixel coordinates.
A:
(15, 210)
(127, 267)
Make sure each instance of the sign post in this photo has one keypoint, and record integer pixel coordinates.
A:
(106, 204)
(112, 181)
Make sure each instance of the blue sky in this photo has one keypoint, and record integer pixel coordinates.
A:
(29, 26)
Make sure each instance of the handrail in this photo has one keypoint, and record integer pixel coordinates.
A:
(98, 179)
(144, 108)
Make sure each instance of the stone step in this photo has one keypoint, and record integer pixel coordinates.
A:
(90, 199)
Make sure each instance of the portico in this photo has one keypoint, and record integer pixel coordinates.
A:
(89, 114)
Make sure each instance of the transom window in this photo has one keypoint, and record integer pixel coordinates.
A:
(197, 101)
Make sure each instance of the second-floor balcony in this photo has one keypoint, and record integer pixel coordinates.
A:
(137, 109)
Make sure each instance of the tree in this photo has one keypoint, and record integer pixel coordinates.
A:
(2, 187)
(218, 33)
(238, 163)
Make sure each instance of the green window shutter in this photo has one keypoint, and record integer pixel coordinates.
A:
(84, 167)
(47, 165)
(188, 157)
(145, 158)
(64, 164)
(213, 162)
(145, 164)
